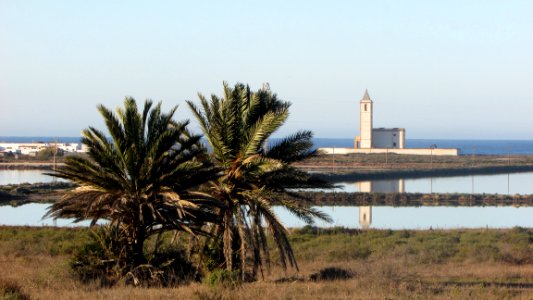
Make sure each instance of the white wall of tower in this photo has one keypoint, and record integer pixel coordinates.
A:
(366, 124)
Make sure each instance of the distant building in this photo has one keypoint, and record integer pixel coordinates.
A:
(382, 140)
(376, 137)
(33, 148)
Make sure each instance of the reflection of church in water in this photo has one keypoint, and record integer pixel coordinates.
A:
(376, 186)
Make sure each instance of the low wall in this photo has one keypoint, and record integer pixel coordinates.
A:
(410, 151)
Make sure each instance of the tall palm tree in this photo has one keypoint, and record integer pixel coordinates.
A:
(256, 176)
(140, 178)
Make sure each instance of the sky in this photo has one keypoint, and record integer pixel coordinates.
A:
(439, 69)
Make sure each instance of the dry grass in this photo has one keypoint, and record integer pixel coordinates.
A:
(401, 265)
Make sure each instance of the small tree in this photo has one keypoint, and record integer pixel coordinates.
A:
(49, 153)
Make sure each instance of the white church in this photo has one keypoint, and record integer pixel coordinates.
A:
(382, 140)
(376, 137)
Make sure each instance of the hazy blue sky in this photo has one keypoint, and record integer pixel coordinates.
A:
(440, 69)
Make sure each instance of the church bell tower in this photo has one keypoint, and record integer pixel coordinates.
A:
(366, 121)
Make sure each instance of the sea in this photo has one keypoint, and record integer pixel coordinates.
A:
(466, 147)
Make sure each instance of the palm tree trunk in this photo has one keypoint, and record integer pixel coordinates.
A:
(137, 254)
(228, 239)
(137, 243)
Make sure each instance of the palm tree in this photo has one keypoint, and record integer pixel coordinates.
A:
(139, 179)
(255, 176)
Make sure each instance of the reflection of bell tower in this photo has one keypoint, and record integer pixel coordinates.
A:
(365, 216)
(401, 185)
(364, 186)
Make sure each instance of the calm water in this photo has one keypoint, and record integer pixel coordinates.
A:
(477, 147)
(440, 217)
(24, 176)
(353, 216)
(381, 217)
(515, 183)
(32, 215)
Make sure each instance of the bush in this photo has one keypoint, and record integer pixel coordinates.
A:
(223, 277)
(49, 153)
(103, 260)
(12, 291)
(170, 267)
(331, 273)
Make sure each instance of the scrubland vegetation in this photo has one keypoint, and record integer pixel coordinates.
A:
(340, 168)
(403, 161)
(334, 264)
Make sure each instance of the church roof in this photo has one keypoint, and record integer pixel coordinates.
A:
(366, 96)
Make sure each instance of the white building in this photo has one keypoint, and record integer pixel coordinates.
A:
(382, 140)
(376, 137)
(34, 148)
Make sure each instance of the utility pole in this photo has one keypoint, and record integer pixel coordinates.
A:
(508, 174)
(431, 159)
(508, 183)
(433, 146)
(333, 157)
(55, 154)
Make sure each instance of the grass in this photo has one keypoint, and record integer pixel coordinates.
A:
(334, 263)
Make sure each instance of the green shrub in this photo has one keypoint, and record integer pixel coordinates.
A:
(224, 278)
(103, 260)
(170, 267)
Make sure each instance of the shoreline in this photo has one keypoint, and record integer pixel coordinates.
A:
(338, 168)
(25, 193)
(341, 168)
(28, 165)
(415, 199)
(16, 195)
(420, 173)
